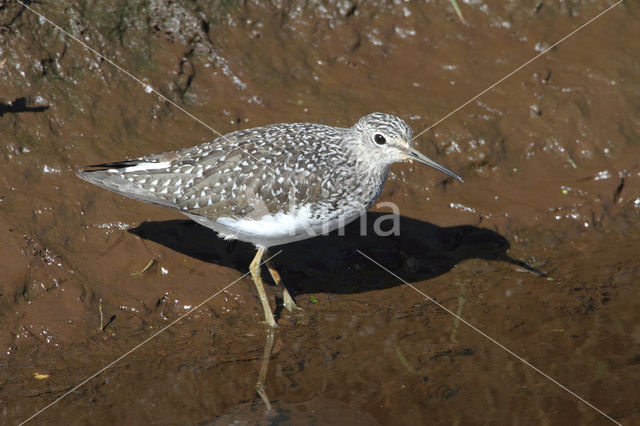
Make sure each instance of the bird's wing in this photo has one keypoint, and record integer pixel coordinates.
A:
(269, 173)
(264, 170)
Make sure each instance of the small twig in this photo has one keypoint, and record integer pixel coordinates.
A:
(537, 7)
(149, 265)
(101, 315)
(454, 3)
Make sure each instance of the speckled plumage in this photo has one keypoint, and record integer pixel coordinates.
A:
(318, 171)
(273, 184)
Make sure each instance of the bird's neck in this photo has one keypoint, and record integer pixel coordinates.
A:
(372, 177)
(370, 170)
(369, 166)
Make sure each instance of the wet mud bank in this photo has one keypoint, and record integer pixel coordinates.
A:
(538, 248)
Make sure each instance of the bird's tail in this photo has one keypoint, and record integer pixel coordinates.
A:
(128, 178)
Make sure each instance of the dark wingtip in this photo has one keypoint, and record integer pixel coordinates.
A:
(86, 172)
(117, 165)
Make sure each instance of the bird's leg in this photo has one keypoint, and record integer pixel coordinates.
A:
(254, 267)
(288, 302)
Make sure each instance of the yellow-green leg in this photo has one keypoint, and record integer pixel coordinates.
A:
(288, 302)
(257, 279)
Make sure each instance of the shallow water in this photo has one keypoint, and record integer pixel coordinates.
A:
(551, 164)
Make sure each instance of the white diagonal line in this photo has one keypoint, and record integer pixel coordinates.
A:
(517, 69)
(147, 87)
(482, 333)
(145, 341)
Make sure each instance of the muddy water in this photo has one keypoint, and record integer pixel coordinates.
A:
(552, 170)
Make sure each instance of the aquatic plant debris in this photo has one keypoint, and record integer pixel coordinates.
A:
(456, 7)
(149, 265)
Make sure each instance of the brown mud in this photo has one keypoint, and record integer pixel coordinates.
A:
(551, 159)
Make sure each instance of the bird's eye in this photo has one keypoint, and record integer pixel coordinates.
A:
(379, 139)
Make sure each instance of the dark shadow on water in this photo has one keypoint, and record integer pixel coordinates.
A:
(332, 264)
(19, 105)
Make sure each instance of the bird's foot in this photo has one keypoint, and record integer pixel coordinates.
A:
(288, 303)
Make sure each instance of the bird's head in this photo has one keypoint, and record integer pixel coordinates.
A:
(385, 139)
